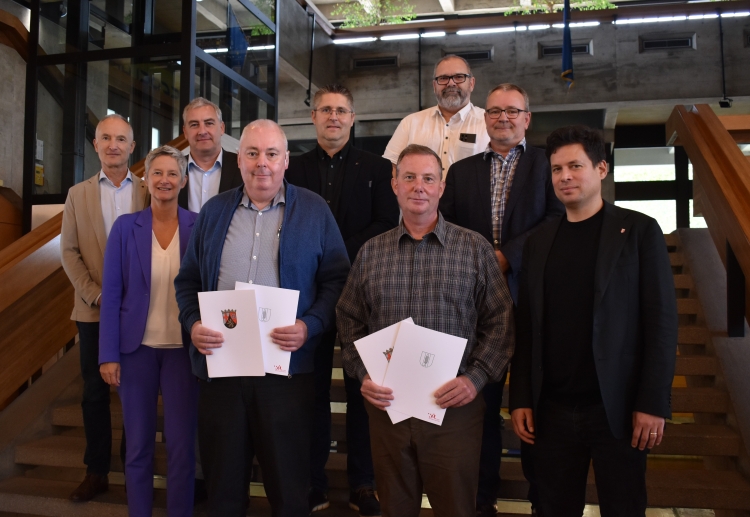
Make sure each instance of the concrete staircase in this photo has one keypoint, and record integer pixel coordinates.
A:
(695, 467)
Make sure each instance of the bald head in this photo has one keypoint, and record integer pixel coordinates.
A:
(263, 158)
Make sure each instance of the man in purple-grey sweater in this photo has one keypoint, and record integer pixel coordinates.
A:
(269, 233)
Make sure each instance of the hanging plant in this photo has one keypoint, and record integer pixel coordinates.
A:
(367, 13)
(550, 6)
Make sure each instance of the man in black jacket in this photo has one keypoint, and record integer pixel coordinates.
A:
(210, 169)
(596, 340)
(503, 194)
(357, 187)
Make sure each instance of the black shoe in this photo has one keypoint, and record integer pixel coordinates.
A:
(486, 510)
(318, 501)
(92, 485)
(364, 500)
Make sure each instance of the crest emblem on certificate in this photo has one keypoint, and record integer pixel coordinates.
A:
(388, 354)
(230, 318)
(264, 314)
(426, 359)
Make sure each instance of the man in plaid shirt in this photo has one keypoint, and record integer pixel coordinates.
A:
(446, 278)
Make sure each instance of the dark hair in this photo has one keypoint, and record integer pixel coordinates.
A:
(590, 139)
(333, 88)
(420, 150)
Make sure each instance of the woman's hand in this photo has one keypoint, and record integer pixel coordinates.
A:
(110, 373)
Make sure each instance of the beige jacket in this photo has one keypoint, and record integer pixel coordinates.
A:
(83, 239)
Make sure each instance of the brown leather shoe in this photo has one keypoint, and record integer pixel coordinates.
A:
(90, 487)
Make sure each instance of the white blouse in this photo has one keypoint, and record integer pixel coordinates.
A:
(162, 326)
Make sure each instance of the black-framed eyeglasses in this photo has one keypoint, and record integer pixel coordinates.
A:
(457, 78)
(495, 113)
(341, 112)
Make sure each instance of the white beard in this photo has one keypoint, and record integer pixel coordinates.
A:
(453, 100)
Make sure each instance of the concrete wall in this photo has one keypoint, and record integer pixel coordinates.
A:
(12, 91)
(617, 75)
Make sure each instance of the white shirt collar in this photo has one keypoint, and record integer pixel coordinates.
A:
(128, 176)
(462, 113)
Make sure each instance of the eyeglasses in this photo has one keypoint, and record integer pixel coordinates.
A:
(341, 112)
(495, 113)
(457, 78)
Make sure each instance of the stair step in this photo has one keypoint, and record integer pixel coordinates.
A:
(71, 415)
(676, 259)
(700, 400)
(683, 281)
(714, 489)
(689, 306)
(692, 335)
(699, 440)
(696, 365)
(672, 239)
(67, 451)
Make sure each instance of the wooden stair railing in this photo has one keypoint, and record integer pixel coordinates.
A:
(36, 300)
(721, 176)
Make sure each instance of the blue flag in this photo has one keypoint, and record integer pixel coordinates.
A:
(237, 42)
(567, 53)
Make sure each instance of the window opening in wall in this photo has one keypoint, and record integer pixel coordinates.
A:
(667, 43)
(644, 164)
(475, 55)
(663, 210)
(375, 62)
(556, 50)
(696, 221)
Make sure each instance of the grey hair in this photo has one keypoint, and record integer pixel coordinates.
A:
(264, 123)
(446, 58)
(507, 87)
(167, 150)
(420, 150)
(200, 102)
(334, 88)
(118, 117)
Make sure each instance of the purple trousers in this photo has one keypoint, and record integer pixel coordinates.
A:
(143, 374)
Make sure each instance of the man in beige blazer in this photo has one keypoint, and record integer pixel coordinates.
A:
(90, 210)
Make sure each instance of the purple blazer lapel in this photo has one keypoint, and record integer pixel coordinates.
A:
(142, 231)
(186, 221)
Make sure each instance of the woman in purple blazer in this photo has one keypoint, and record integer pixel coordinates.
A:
(142, 347)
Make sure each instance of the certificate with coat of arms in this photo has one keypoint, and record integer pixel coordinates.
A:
(235, 315)
(276, 308)
(422, 361)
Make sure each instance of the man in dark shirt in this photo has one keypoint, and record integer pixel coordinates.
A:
(356, 185)
(596, 340)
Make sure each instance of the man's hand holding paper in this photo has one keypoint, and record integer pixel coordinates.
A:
(205, 339)
(290, 338)
(378, 396)
(456, 392)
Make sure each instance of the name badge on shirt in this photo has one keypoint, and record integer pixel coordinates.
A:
(470, 138)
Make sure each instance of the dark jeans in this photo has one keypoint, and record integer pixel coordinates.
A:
(492, 444)
(567, 440)
(269, 417)
(97, 423)
(320, 442)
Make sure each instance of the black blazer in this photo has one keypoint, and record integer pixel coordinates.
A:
(367, 207)
(467, 202)
(635, 319)
(230, 178)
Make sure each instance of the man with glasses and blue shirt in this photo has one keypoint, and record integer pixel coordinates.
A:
(503, 193)
(454, 129)
(356, 186)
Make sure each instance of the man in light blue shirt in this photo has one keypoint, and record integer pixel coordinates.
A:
(90, 211)
(210, 169)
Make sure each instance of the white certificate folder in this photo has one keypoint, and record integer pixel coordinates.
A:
(235, 315)
(276, 308)
(422, 361)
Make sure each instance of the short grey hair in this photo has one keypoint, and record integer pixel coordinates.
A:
(446, 58)
(264, 123)
(421, 150)
(118, 117)
(334, 88)
(167, 150)
(507, 87)
(200, 102)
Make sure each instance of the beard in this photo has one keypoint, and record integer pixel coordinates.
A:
(451, 98)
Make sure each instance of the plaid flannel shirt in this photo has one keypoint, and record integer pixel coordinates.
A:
(449, 281)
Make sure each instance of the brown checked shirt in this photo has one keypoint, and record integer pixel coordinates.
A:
(449, 281)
